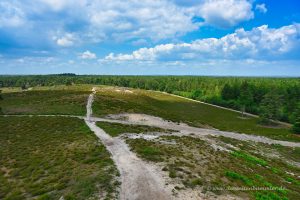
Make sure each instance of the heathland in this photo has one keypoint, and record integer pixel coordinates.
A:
(190, 148)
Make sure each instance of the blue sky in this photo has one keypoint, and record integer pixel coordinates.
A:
(149, 37)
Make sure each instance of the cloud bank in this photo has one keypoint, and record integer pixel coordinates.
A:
(94, 21)
(259, 43)
(55, 34)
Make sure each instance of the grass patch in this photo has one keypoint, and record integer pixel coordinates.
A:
(110, 101)
(150, 153)
(46, 100)
(249, 158)
(116, 129)
(238, 176)
(50, 157)
(268, 196)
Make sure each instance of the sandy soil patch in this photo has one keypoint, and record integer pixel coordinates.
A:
(147, 120)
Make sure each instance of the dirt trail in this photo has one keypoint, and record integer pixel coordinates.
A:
(139, 180)
(89, 110)
(142, 119)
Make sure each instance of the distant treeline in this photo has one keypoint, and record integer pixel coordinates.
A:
(272, 98)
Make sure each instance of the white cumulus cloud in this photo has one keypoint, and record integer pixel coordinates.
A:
(88, 55)
(226, 13)
(123, 20)
(261, 8)
(259, 43)
(66, 41)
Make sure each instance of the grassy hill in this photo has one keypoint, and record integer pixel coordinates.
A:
(111, 100)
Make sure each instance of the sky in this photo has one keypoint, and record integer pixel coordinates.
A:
(150, 37)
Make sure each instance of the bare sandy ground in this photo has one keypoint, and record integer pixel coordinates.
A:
(147, 120)
(89, 110)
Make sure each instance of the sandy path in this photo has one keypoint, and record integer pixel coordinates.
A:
(139, 180)
(89, 110)
(142, 119)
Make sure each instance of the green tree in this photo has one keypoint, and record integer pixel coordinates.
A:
(246, 97)
(296, 124)
(226, 92)
(1, 98)
(23, 86)
(230, 92)
(270, 107)
(195, 94)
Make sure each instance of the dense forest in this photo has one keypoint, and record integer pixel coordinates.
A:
(271, 98)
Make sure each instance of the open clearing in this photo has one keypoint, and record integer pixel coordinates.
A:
(163, 147)
(109, 101)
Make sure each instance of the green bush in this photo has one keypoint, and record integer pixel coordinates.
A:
(238, 176)
(249, 158)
